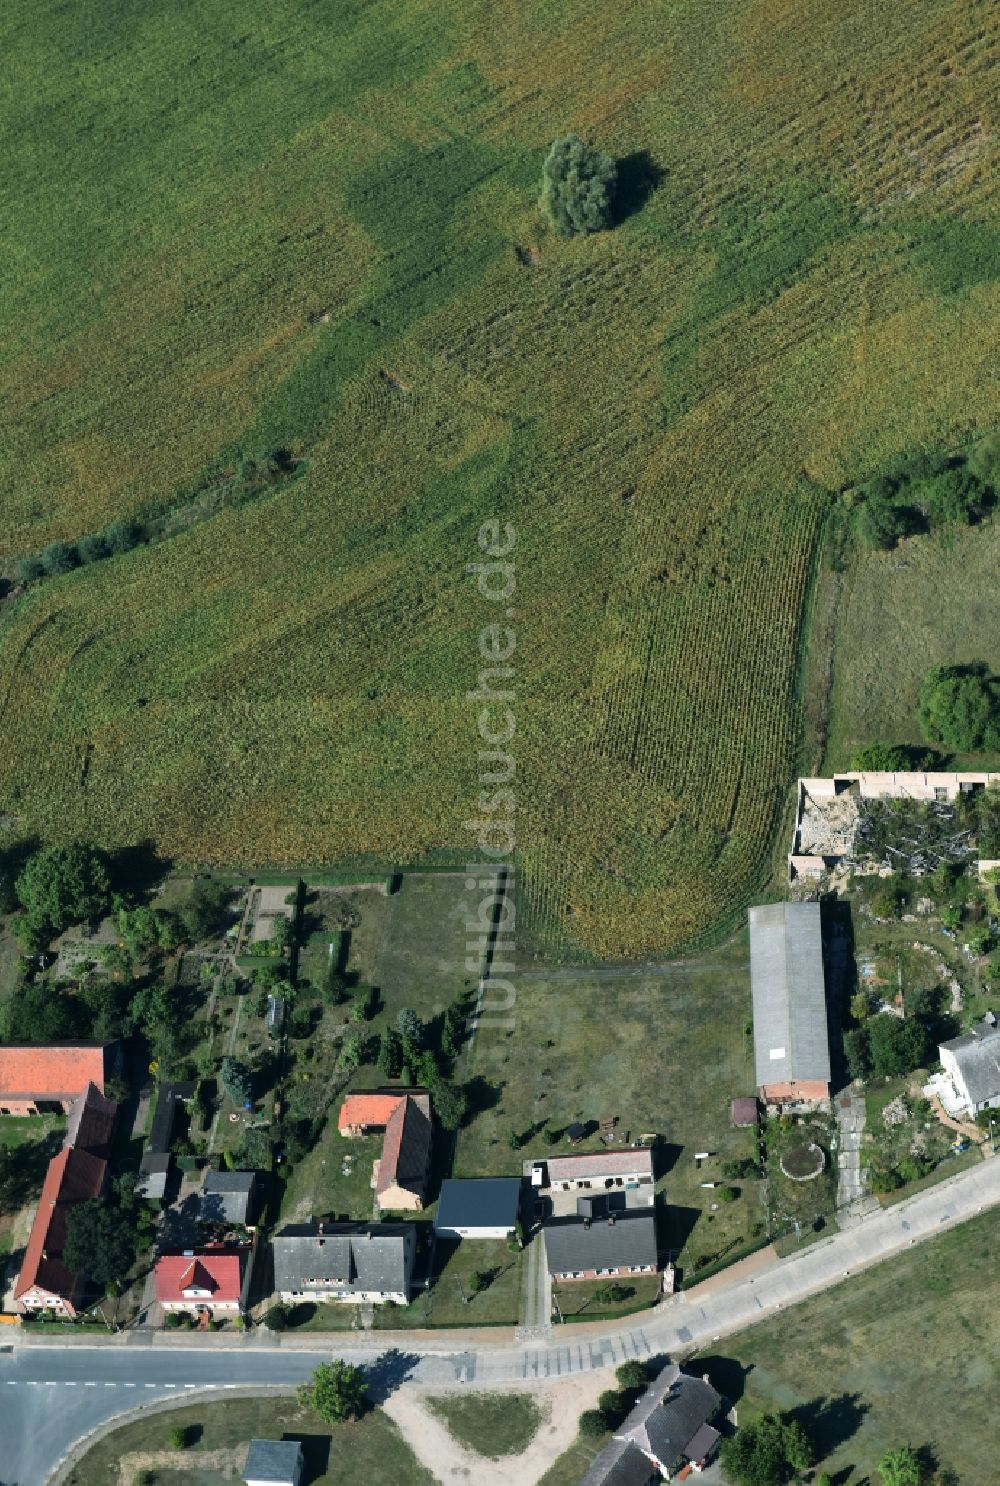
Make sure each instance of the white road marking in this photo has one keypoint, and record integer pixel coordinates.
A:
(149, 1385)
(70, 1385)
(170, 1385)
(111, 1385)
(90, 1385)
(129, 1385)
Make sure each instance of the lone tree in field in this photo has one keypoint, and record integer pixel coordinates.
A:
(337, 1392)
(578, 187)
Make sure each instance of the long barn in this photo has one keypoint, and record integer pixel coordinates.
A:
(791, 1042)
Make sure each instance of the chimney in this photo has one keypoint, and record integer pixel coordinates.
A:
(586, 1222)
(611, 1220)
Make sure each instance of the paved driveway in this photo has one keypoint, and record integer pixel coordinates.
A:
(52, 1395)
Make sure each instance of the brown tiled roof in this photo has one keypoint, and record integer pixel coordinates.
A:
(91, 1121)
(73, 1176)
(406, 1150)
(600, 1164)
(59, 1071)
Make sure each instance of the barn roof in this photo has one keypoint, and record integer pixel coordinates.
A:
(789, 996)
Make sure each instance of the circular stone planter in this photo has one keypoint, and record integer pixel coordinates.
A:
(803, 1163)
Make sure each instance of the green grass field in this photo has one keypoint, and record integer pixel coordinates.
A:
(936, 603)
(370, 1449)
(231, 232)
(861, 1362)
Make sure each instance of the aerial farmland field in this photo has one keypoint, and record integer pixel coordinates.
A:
(313, 229)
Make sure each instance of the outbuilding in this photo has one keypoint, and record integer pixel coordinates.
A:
(791, 1041)
(274, 1463)
(486, 1207)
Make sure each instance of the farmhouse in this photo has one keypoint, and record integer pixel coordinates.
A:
(483, 1208)
(401, 1173)
(672, 1424)
(791, 1043)
(37, 1079)
(620, 1464)
(601, 1241)
(208, 1279)
(602, 1169)
(347, 1262)
(274, 1463)
(45, 1283)
(971, 1064)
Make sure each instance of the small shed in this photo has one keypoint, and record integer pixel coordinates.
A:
(274, 1463)
(575, 1133)
(744, 1112)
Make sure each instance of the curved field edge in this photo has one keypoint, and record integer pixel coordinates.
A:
(655, 410)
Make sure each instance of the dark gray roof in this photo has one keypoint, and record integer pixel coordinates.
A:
(485, 1202)
(162, 1129)
(228, 1197)
(570, 1243)
(789, 996)
(670, 1416)
(978, 1057)
(273, 1460)
(344, 1256)
(620, 1463)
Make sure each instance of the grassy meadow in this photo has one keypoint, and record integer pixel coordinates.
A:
(234, 230)
(855, 1363)
(937, 603)
(369, 1449)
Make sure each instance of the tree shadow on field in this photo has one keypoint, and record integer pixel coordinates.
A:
(138, 869)
(481, 1096)
(831, 1422)
(638, 177)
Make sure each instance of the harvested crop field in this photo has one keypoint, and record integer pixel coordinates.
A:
(238, 231)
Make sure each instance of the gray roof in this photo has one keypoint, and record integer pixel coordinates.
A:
(570, 1243)
(486, 1202)
(978, 1056)
(789, 996)
(228, 1197)
(671, 1415)
(620, 1463)
(273, 1460)
(344, 1256)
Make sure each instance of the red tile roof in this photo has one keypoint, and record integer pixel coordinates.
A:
(406, 1150)
(369, 1110)
(73, 1176)
(217, 1271)
(61, 1071)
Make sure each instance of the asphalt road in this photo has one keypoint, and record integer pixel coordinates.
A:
(50, 1396)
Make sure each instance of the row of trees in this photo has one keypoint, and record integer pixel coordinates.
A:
(62, 557)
